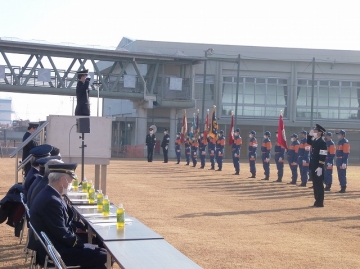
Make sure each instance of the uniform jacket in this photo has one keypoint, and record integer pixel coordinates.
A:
(304, 151)
(211, 144)
(82, 99)
(28, 147)
(220, 144)
(30, 177)
(253, 144)
(39, 186)
(178, 143)
(202, 143)
(236, 145)
(187, 146)
(279, 151)
(330, 145)
(265, 148)
(150, 140)
(33, 185)
(165, 141)
(293, 152)
(342, 151)
(318, 152)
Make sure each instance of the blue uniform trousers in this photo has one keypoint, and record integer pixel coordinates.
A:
(219, 158)
(266, 166)
(304, 172)
(187, 155)
(252, 163)
(194, 157)
(236, 161)
(341, 175)
(328, 175)
(279, 166)
(294, 172)
(178, 155)
(202, 158)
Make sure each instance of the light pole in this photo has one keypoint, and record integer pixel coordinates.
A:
(97, 84)
(207, 52)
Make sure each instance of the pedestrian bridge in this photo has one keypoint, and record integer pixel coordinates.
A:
(43, 68)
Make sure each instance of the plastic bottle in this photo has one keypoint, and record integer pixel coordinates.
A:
(106, 206)
(91, 194)
(120, 216)
(99, 199)
(89, 184)
(84, 186)
(75, 184)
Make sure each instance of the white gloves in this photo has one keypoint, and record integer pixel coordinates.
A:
(329, 164)
(203, 152)
(252, 156)
(311, 133)
(166, 147)
(280, 159)
(212, 152)
(267, 160)
(343, 166)
(304, 162)
(318, 171)
(235, 155)
(91, 246)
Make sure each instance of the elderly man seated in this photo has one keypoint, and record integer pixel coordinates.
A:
(49, 213)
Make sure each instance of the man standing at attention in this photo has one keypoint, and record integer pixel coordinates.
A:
(253, 144)
(265, 150)
(178, 147)
(342, 155)
(32, 144)
(165, 145)
(150, 143)
(236, 147)
(293, 154)
(279, 159)
(82, 94)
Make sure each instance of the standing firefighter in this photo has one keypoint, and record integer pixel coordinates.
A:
(202, 149)
(304, 158)
(279, 159)
(253, 144)
(329, 161)
(236, 147)
(317, 161)
(178, 147)
(165, 145)
(342, 155)
(187, 149)
(194, 149)
(293, 154)
(150, 143)
(211, 150)
(265, 150)
(220, 144)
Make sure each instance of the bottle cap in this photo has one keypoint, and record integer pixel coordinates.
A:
(99, 191)
(106, 197)
(121, 206)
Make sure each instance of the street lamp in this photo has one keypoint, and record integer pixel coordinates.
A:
(209, 51)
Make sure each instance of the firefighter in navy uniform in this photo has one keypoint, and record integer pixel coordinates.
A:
(202, 149)
(150, 143)
(293, 153)
(211, 150)
(178, 147)
(165, 145)
(82, 94)
(253, 144)
(187, 149)
(329, 161)
(236, 147)
(194, 149)
(265, 150)
(317, 161)
(279, 159)
(342, 155)
(220, 144)
(304, 158)
(32, 144)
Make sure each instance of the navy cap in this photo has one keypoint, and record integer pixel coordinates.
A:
(252, 132)
(166, 129)
(67, 168)
(41, 151)
(43, 161)
(33, 125)
(328, 134)
(294, 135)
(341, 132)
(303, 132)
(221, 132)
(267, 133)
(320, 128)
(237, 130)
(178, 133)
(83, 72)
(150, 129)
(55, 151)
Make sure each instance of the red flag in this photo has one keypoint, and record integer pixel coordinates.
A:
(281, 132)
(231, 133)
(183, 128)
(206, 127)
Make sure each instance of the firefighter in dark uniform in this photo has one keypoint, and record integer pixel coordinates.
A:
(194, 149)
(202, 149)
(150, 143)
(49, 213)
(32, 144)
(220, 145)
(304, 158)
(82, 94)
(187, 149)
(236, 147)
(293, 154)
(317, 161)
(279, 159)
(178, 147)
(342, 156)
(253, 144)
(165, 145)
(211, 151)
(329, 161)
(265, 156)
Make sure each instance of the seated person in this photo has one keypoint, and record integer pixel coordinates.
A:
(49, 213)
(37, 153)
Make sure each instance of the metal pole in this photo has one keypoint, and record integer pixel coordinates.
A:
(82, 156)
(98, 88)
(237, 91)
(203, 95)
(312, 93)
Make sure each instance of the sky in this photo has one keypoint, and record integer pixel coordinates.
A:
(301, 24)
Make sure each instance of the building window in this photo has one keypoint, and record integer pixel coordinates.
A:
(209, 87)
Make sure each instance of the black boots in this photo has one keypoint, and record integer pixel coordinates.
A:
(328, 187)
(302, 185)
(279, 179)
(343, 189)
(237, 173)
(253, 175)
(265, 178)
(212, 168)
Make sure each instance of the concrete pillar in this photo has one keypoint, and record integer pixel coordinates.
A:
(173, 132)
(141, 126)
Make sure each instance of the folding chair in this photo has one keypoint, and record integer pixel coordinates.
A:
(24, 217)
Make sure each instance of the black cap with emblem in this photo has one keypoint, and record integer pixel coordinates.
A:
(67, 168)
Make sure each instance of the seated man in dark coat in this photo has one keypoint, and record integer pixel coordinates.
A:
(49, 213)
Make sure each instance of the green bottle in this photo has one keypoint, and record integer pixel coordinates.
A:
(75, 184)
(106, 206)
(84, 186)
(91, 194)
(120, 216)
(89, 184)
(100, 198)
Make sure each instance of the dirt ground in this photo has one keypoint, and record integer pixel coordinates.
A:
(224, 221)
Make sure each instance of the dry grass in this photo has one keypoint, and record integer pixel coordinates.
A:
(225, 221)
